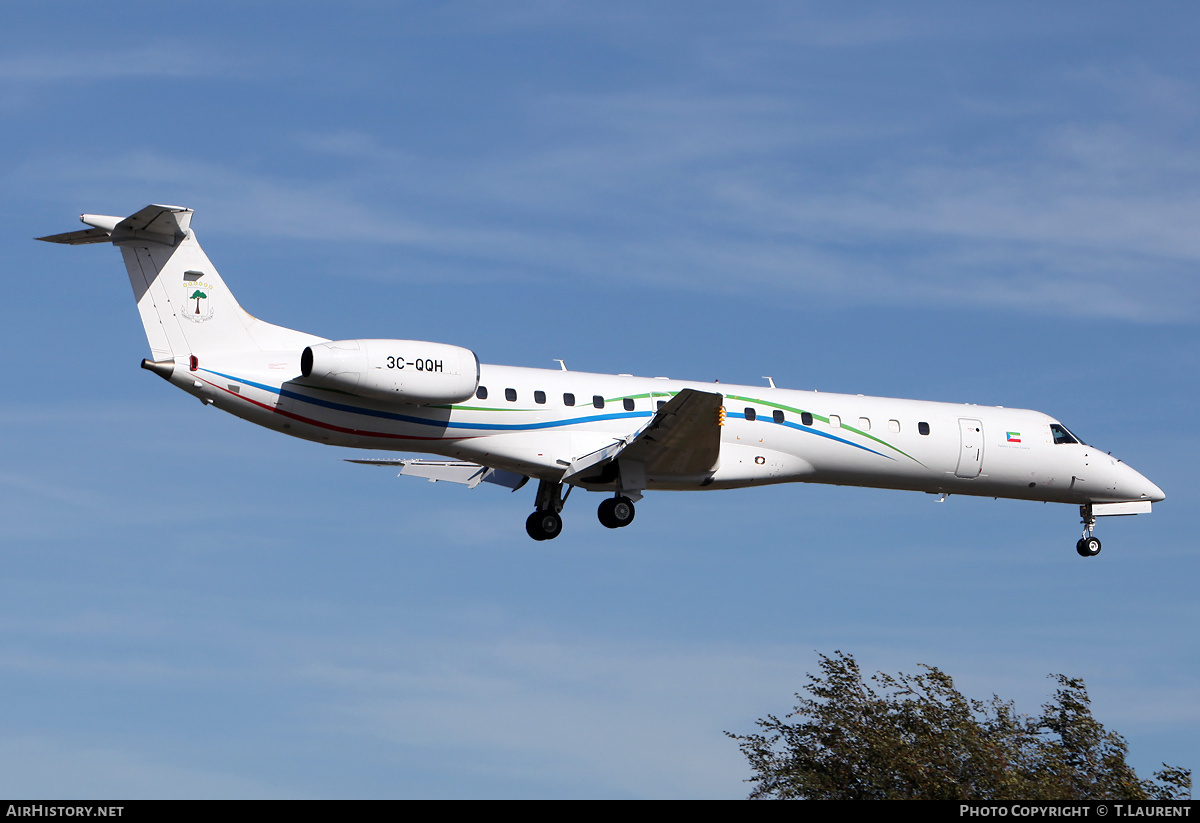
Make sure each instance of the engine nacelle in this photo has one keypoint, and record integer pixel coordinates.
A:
(407, 371)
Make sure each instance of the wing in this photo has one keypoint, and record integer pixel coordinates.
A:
(452, 471)
(683, 439)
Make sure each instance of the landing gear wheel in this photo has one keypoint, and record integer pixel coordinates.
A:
(1087, 546)
(616, 512)
(544, 525)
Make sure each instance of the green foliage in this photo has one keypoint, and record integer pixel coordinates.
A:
(915, 736)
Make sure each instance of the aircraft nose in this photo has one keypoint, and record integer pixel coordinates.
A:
(1137, 487)
(1153, 493)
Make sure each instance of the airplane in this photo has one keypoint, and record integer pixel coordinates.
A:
(616, 434)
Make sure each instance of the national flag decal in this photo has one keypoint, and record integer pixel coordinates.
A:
(1014, 437)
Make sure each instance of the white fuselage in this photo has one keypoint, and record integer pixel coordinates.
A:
(618, 433)
(537, 421)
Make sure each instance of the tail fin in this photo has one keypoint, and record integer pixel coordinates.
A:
(184, 304)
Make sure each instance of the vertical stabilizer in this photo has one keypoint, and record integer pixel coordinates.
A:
(185, 306)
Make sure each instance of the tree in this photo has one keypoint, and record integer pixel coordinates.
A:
(198, 295)
(915, 736)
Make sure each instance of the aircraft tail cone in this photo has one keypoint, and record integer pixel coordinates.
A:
(163, 368)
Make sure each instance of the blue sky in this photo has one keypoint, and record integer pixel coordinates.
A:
(944, 201)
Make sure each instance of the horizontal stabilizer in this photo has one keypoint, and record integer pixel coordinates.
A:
(163, 224)
(79, 238)
(452, 471)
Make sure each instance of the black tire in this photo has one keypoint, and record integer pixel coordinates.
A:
(543, 525)
(1088, 546)
(605, 513)
(615, 512)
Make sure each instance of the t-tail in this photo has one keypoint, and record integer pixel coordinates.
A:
(185, 306)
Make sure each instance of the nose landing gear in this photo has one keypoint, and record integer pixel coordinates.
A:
(1087, 546)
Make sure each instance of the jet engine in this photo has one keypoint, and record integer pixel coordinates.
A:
(407, 371)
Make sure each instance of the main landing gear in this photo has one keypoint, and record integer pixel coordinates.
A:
(544, 525)
(546, 521)
(1087, 546)
(616, 512)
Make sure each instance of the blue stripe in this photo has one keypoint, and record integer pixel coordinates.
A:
(424, 421)
(552, 424)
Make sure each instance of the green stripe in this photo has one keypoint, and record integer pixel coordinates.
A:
(757, 400)
(826, 420)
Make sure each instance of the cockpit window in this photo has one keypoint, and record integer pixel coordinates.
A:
(1061, 435)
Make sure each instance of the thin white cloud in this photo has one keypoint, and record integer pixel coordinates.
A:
(64, 766)
(564, 708)
(1041, 236)
(666, 182)
(167, 59)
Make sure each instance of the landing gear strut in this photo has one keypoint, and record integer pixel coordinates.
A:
(1087, 546)
(545, 523)
(616, 512)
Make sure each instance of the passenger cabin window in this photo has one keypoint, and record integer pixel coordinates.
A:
(628, 403)
(806, 418)
(481, 392)
(894, 426)
(597, 401)
(835, 421)
(864, 423)
(777, 416)
(568, 399)
(923, 428)
(510, 395)
(750, 414)
(1061, 435)
(539, 397)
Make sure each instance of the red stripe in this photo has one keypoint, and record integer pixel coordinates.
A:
(330, 426)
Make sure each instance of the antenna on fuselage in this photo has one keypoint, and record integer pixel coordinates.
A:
(770, 380)
(561, 364)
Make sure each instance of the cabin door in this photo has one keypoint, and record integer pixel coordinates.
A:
(970, 456)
